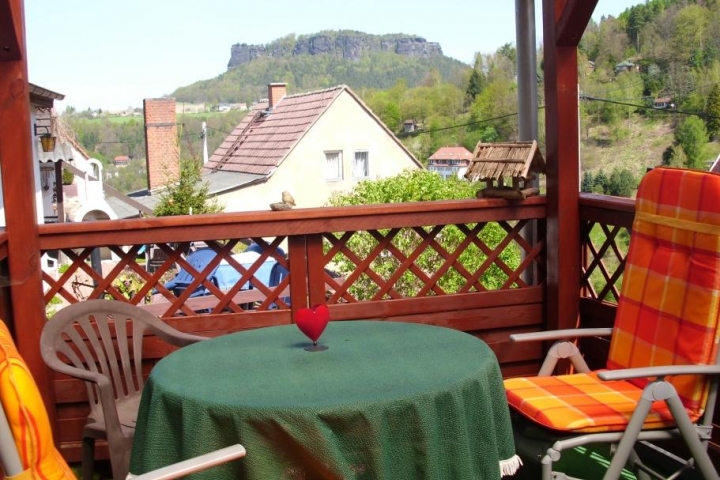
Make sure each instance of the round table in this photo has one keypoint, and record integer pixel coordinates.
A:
(386, 400)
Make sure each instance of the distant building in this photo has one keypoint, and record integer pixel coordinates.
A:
(226, 107)
(409, 126)
(449, 161)
(121, 161)
(183, 107)
(663, 102)
(626, 66)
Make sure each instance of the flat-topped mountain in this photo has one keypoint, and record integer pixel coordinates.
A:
(343, 44)
(326, 59)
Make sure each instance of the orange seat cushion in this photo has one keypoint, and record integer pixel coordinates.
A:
(27, 416)
(582, 403)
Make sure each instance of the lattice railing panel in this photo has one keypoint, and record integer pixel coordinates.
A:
(140, 279)
(605, 250)
(429, 261)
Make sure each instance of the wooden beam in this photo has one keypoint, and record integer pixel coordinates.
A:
(10, 34)
(573, 21)
(563, 173)
(18, 182)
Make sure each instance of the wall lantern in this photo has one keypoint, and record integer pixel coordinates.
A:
(46, 139)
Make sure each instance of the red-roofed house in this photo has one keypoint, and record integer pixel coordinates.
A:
(449, 161)
(309, 144)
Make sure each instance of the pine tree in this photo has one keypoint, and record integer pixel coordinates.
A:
(188, 196)
(587, 182)
(712, 121)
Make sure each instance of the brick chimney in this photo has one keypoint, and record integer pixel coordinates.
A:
(161, 142)
(276, 92)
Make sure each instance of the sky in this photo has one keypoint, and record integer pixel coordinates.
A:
(111, 54)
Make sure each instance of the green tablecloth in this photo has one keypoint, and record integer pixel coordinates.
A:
(386, 400)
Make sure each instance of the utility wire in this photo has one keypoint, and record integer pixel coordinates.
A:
(487, 120)
(666, 111)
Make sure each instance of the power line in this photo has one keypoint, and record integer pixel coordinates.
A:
(487, 120)
(646, 107)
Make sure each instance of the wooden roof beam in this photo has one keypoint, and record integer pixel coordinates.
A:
(572, 22)
(11, 17)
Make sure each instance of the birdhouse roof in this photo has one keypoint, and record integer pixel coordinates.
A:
(505, 160)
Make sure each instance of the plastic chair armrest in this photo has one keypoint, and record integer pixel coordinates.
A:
(194, 464)
(561, 334)
(62, 367)
(659, 371)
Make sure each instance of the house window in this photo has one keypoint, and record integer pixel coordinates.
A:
(333, 166)
(361, 165)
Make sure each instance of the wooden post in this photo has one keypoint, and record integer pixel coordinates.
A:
(16, 162)
(561, 132)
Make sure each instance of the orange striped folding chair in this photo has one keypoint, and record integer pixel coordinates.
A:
(27, 451)
(663, 367)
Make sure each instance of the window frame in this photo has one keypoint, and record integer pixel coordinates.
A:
(339, 173)
(366, 168)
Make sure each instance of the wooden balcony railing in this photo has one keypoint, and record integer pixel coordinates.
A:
(461, 264)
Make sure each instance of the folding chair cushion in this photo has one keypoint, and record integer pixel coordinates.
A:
(581, 403)
(669, 304)
(667, 312)
(27, 416)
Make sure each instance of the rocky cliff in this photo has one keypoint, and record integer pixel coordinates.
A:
(348, 45)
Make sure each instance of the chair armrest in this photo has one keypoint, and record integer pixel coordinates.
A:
(659, 371)
(194, 464)
(59, 366)
(183, 339)
(563, 347)
(561, 334)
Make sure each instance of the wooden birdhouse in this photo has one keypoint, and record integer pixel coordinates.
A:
(507, 168)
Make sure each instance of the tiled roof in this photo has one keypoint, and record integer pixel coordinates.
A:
(452, 153)
(262, 141)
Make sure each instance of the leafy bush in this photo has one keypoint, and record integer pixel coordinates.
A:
(412, 186)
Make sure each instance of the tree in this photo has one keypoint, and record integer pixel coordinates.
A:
(188, 196)
(622, 183)
(712, 121)
(600, 184)
(477, 82)
(691, 136)
(587, 182)
(413, 186)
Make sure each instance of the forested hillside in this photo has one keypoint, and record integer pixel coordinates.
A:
(649, 81)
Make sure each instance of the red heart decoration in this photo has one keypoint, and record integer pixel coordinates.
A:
(312, 321)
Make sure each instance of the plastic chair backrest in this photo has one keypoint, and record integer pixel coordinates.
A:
(670, 300)
(198, 260)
